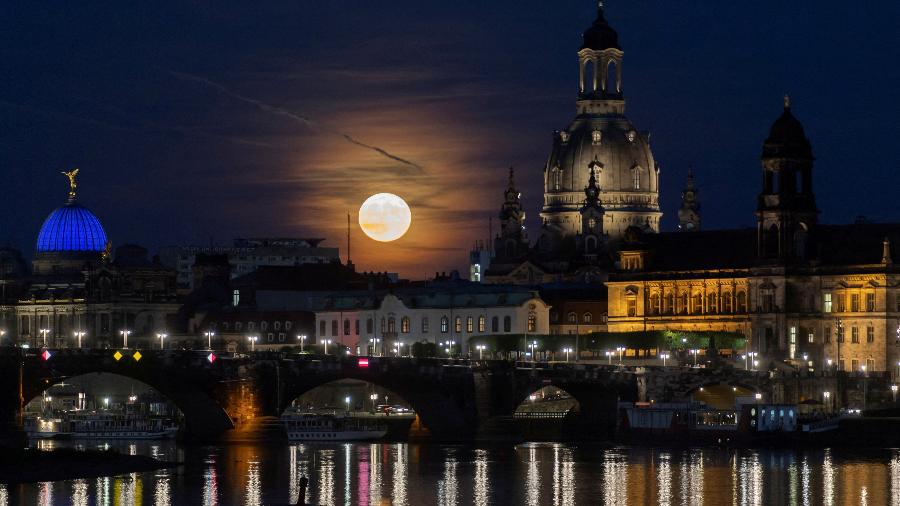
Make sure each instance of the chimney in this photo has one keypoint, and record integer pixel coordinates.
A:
(886, 252)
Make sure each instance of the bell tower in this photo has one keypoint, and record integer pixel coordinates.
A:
(591, 239)
(512, 241)
(786, 207)
(689, 213)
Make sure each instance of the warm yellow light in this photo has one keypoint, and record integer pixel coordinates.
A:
(384, 217)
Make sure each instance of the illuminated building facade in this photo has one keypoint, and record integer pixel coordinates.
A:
(792, 286)
(77, 284)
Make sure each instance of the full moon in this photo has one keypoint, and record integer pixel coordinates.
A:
(384, 217)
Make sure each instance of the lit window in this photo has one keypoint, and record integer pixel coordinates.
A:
(587, 318)
(532, 322)
(235, 298)
(424, 324)
(404, 325)
(481, 323)
(572, 318)
(636, 178)
(470, 325)
(870, 334)
(596, 137)
(827, 307)
(457, 324)
(444, 324)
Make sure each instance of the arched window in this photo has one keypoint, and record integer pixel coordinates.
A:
(404, 325)
(670, 303)
(698, 303)
(727, 302)
(424, 324)
(572, 318)
(684, 303)
(554, 178)
(370, 326)
(445, 323)
(457, 324)
(742, 302)
(507, 324)
(383, 325)
(532, 322)
(347, 327)
(334, 327)
(264, 326)
(636, 178)
(612, 78)
(392, 325)
(470, 324)
(495, 324)
(587, 318)
(481, 323)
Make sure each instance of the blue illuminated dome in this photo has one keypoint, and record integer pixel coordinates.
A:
(71, 228)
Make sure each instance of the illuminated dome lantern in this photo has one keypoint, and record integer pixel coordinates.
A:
(70, 235)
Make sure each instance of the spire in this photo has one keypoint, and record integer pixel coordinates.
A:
(886, 252)
(689, 213)
(690, 179)
(787, 101)
(592, 190)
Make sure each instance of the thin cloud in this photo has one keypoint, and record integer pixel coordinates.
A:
(298, 118)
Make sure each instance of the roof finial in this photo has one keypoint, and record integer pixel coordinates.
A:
(787, 101)
(72, 184)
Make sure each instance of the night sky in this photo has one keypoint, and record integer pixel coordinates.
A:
(194, 121)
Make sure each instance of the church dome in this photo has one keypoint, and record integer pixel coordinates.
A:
(600, 35)
(71, 228)
(787, 137)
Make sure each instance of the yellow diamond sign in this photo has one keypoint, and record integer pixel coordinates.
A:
(137, 356)
(117, 355)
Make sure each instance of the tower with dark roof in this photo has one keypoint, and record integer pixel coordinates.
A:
(786, 207)
(600, 133)
(512, 242)
(689, 213)
(592, 238)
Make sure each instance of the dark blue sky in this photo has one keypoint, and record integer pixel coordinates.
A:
(193, 120)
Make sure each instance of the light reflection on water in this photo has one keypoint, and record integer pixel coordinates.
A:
(411, 474)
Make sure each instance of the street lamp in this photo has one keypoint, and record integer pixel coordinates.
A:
(664, 357)
(209, 335)
(374, 342)
(694, 353)
(567, 350)
(302, 339)
(347, 402)
(106, 402)
(609, 355)
(620, 349)
(252, 340)
(533, 346)
(2, 333)
(827, 396)
(894, 392)
(373, 397)
(44, 333)
(78, 335)
(125, 333)
(326, 343)
(480, 349)
(162, 340)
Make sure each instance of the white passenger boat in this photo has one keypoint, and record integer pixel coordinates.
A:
(329, 427)
(100, 425)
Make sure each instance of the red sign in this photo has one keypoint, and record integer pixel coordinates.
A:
(363, 362)
(46, 355)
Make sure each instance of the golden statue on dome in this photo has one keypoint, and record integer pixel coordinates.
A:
(72, 184)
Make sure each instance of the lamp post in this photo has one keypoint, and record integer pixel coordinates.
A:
(125, 333)
(162, 340)
(78, 335)
(44, 333)
(374, 342)
(326, 343)
(2, 333)
(567, 351)
(302, 339)
(694, 353)
(252, 340)
(609, 355)
(373, 398)
(894, 392)
(480, 349)
(209, 335)
(827, 395)
(865, 386)
(347, 403)
(621, 350)
(533, 346)
(664, 357)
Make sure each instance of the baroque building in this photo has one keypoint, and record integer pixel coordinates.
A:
(78, 285)
(600, 179)
(795, 288)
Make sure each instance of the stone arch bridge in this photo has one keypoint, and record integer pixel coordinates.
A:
(455, 400)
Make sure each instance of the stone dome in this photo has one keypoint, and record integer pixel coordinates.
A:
(787, 138)
(600, 35)
(71, 228)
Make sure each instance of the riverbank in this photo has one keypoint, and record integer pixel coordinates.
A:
(32, 465)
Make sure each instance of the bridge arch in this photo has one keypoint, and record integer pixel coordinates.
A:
(438, 396)
(177, 377)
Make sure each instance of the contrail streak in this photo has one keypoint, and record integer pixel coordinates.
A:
(297, 118)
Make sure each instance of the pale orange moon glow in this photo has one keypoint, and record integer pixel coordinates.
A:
(384, 217)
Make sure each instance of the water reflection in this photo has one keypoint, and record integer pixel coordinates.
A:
(410, 474)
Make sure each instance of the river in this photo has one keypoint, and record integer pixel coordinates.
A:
(532, 474)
